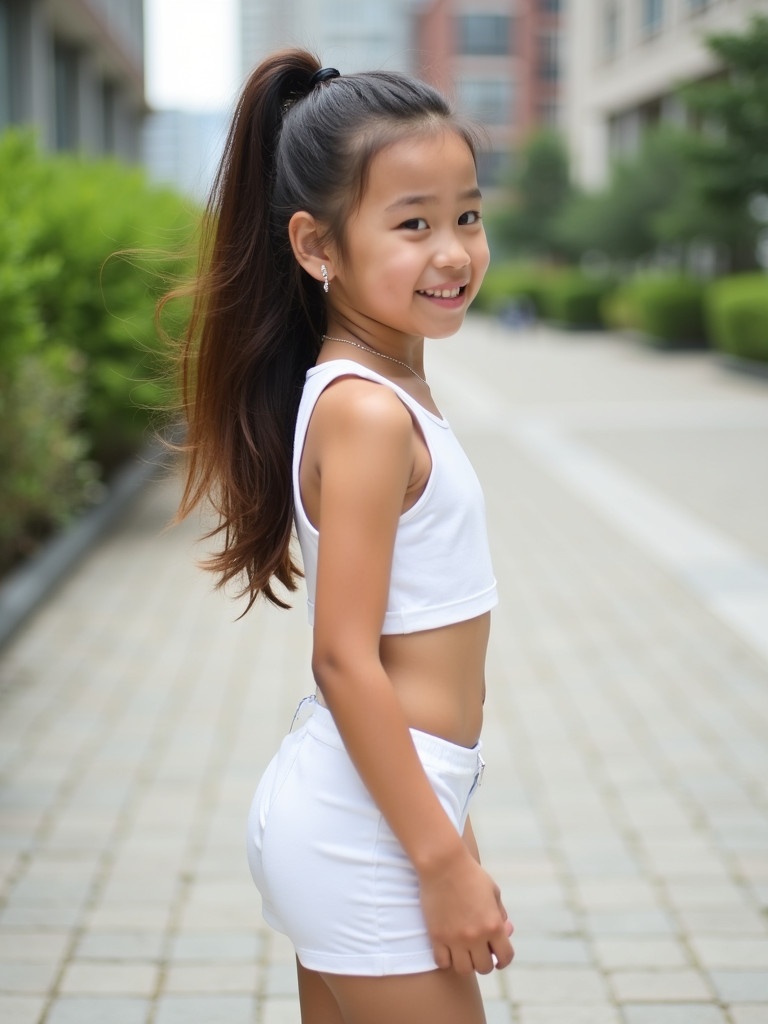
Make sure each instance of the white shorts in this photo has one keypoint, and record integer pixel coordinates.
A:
(331, 873)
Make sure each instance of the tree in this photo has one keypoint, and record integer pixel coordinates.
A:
(728, 156)
(622, 220)
(538, 188)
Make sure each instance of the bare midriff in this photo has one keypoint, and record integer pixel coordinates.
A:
(439, 677)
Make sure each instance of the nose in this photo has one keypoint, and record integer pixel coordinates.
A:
(452, 252)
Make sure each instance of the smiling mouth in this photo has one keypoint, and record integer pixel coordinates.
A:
(443, 293)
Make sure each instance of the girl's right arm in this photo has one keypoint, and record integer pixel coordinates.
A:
(365, 440)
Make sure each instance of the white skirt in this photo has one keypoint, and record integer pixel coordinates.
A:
(331, 873)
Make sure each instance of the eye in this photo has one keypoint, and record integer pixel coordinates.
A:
(415, 224)
(470, 217)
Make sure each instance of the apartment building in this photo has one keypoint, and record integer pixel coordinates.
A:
(626, 60)
(500, 61)
(352, 35)
(75, 70)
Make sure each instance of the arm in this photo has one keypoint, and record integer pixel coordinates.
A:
(366, 443)
(470, 842)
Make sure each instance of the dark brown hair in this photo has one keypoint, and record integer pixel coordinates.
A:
(257, 315)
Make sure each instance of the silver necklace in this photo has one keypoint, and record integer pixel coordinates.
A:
(375, 352)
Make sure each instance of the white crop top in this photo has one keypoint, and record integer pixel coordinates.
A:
(441, 567)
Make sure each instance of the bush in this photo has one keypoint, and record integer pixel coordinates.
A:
(737, 315)
(575, 300)
(78, 348)
(667, 309)
(507, 283)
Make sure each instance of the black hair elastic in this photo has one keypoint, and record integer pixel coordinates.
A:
(323, 75)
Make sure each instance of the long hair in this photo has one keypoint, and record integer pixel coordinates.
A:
(258, 317)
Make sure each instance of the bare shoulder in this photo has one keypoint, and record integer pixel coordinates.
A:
(354, 407)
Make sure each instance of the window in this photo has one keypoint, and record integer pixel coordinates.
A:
(548, 112)
(486, 99)
(549, 57)
(484, 34)
(611, 29)
(6, 77)
(652, 17)
(490, 167)
(65, 98)
(109, 116)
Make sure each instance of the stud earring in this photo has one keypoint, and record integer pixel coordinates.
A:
(324, 272)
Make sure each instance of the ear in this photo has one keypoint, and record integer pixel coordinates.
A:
(306, 236)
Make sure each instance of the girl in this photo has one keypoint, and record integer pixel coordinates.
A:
(345, 226)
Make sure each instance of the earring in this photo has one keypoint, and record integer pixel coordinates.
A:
(324, 272)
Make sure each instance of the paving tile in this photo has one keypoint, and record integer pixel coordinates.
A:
(575, 986)
(592, 1014)
(756, 1013)
(99, 1010)
(32, 947)
(21, 1009)
(280, 1010)
(640, 953)
(551, 950)
(26, 978)
(210, 978)
(206, 1010)
(207, 947)
(663, 1013)
(659, 986)
(87, 978)
(731, 952)
(741, 986)
(127, 946)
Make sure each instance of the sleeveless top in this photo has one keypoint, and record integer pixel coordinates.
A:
(441, 566)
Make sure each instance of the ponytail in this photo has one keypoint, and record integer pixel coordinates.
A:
(253, 334)
(298, 141)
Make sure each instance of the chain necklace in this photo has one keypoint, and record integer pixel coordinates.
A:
(375, 352)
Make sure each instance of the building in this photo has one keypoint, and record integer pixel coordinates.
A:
(352, 35)
(182, 148)
(626, 60)
(75, 70)
(500, 61)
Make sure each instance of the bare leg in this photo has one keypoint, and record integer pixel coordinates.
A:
(318, 1006)
(435, 997)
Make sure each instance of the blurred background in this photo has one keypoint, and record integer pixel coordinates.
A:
(625, 177)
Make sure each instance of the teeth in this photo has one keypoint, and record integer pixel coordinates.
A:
(442, 293)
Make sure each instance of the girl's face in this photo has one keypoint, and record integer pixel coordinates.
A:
(416, 250)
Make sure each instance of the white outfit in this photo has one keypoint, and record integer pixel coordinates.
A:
(332, 875)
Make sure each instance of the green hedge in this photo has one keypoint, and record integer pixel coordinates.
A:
(668, 309)
(563, 295)
(737, 315)
(575, 300)
(80, 359)
(508, 283)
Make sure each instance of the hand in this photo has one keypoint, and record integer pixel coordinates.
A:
(466, 919)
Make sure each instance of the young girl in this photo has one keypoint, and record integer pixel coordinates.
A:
(345, 227)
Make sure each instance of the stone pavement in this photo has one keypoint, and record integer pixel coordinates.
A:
(624, 807)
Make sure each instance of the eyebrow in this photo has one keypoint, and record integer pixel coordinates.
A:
(418, 200)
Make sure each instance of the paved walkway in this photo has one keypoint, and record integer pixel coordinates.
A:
(624, 808)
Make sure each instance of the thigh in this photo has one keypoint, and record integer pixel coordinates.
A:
(432, 997)
(318, 1004)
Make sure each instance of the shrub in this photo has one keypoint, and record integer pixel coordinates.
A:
(508, 283)
(575, 300)
(78, 348)
(737, 315)
(668, 309)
